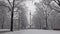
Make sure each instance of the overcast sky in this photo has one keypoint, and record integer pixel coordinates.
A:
(31, 8)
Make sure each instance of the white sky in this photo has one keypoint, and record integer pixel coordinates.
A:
(31, 8)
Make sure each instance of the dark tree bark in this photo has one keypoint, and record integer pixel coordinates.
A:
(12, 16)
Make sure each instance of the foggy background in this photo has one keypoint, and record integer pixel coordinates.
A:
(30, 14)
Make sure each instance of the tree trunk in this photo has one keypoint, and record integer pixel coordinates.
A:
(12, 16)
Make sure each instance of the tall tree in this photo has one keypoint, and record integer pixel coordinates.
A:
(12, 4)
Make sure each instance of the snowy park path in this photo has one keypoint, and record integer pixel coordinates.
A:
(34, 31)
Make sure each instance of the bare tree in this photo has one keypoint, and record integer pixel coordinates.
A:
(12, 5)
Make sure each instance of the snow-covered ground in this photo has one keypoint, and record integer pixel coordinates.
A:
(34, 31)
(4, 29)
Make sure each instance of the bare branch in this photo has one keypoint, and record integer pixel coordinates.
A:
(18, 3)
(9, 3)
(6, 6)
